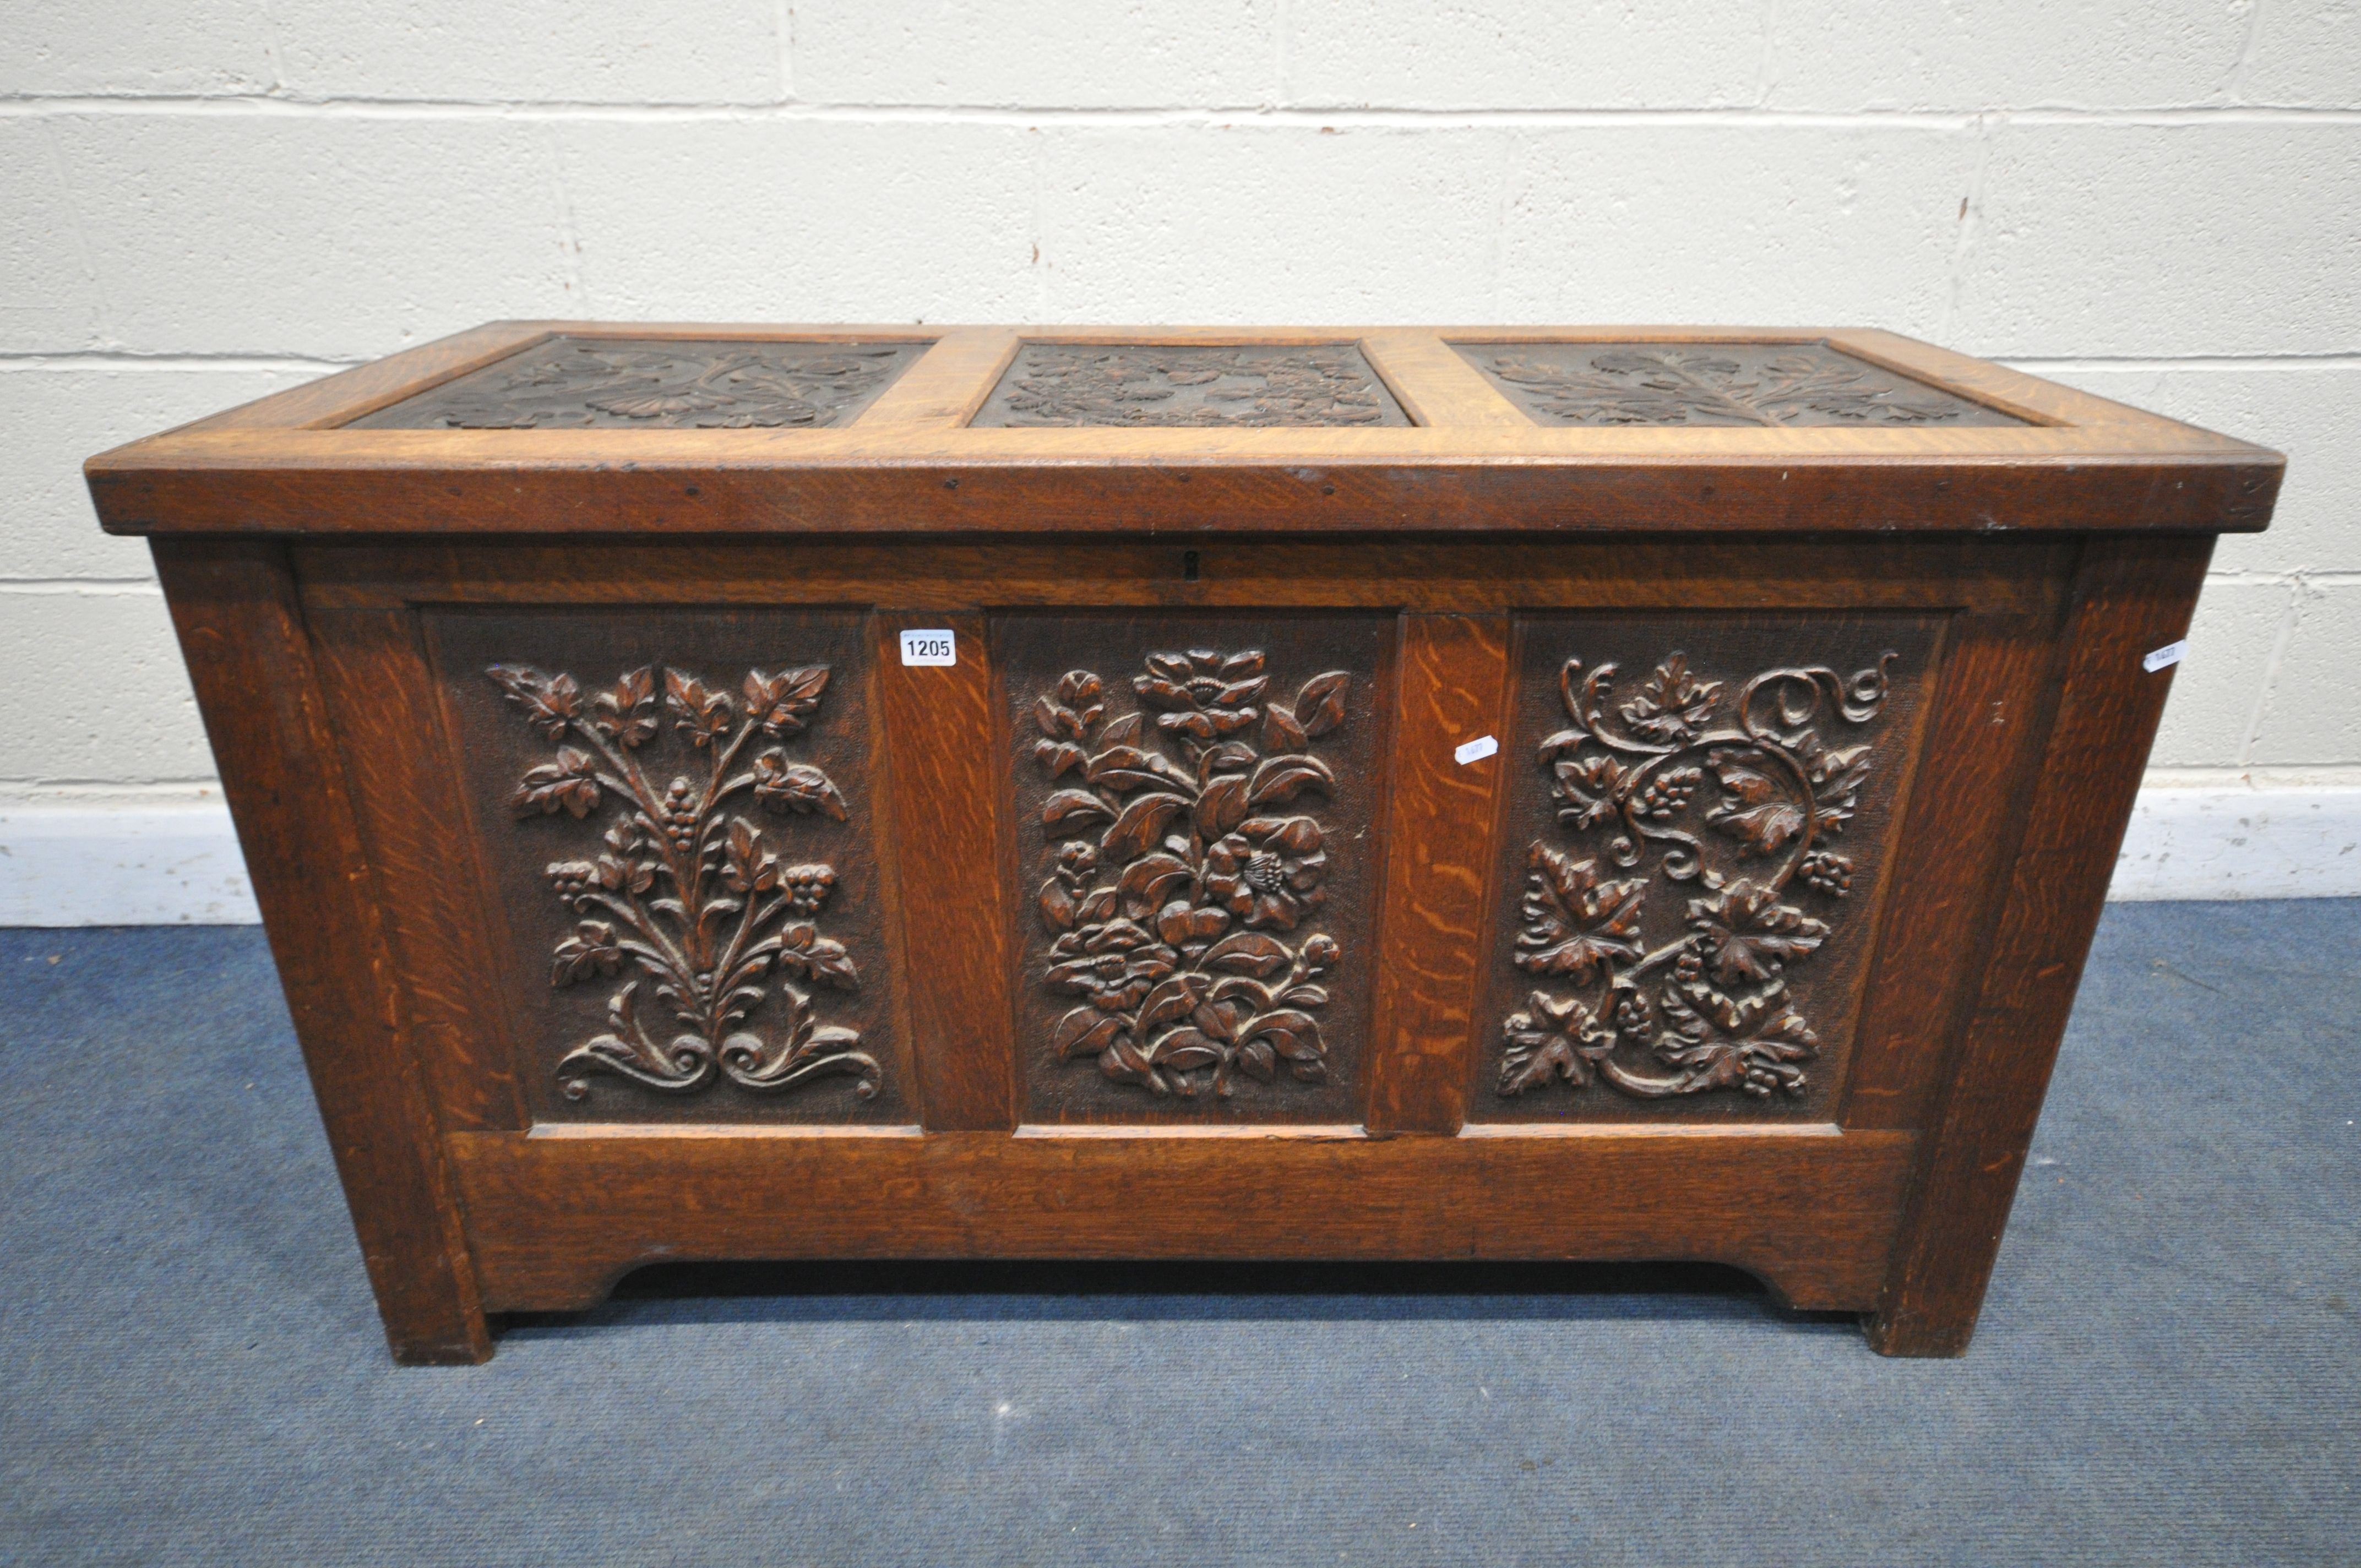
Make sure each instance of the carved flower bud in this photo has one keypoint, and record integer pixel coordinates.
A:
(1078, 859)
(1321, 952)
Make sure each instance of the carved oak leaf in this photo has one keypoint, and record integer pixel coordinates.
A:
(799, 787)
(748, 866)
(1592, 788)
(591, 949)
(550, 702)
(782, 702)
(1838, 778)
(1755, 811)
(1759, 1044)
(625, 712)
(1748, 935)
(825, 960)
(569, 784)
(704, 715)
(1672, 705)
(1573, 921)
(1552, 1038)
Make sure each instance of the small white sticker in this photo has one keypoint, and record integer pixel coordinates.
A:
(929, 648)
(1476, 751)
(2171, 653)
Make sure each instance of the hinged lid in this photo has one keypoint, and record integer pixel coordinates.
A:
(576, 427)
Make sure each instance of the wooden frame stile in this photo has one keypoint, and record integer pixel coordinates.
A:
(341, 592)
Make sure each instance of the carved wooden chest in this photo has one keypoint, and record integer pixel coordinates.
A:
(829, 793)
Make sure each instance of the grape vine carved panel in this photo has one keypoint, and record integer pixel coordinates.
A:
(1722, 384)
(673, 812)
(1193, 801)
(578, 383)
(1699, 820)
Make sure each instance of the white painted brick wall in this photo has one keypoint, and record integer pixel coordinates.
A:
(2158, 199)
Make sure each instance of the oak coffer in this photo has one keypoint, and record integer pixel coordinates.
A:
(908, 792)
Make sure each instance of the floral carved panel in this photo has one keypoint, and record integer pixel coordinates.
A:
(1055, 384)
(1717, 384)
(575, 383)
(1193, 801)
(674, 814)
(1698, 826)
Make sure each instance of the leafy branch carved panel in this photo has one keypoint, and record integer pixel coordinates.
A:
(1700, 821)
(1193, 802)
(673, 812)
(1714, 384)
(660, 384)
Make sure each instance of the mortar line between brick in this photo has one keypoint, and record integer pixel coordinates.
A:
(126, 360)
(1293, 115)
(81, 588)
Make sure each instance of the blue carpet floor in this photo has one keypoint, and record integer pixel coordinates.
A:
(191, 1371)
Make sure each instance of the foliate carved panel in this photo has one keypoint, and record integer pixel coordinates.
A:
(574, 383)
(1095, 384)
(1193, 802)
(1700, 821)
(673, 812)
(1720, 384)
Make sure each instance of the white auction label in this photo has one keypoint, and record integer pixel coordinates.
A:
(929, 648)
(1476, 751)
(2171, 653)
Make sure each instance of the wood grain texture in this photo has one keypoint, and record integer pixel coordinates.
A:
(556, 1221)
(1436, 385)
(415, 824)
(943, 391)
(1982, 753)
(242, 634)
(1980, 573)
(2130, 597)
(1438, 838)
(326, 482)
(952, 860)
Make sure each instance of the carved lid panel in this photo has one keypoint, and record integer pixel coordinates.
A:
(1723, 384)
(581, 383)
(675, 814)
(1699, 818)
(1194, 797)
(1196, 385)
